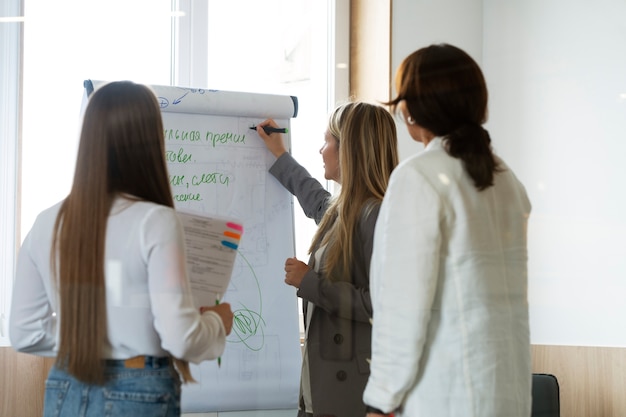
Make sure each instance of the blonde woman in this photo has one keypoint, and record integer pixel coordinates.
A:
(359, 152)
(101, 278)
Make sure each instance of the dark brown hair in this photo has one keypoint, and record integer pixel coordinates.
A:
(445, 92)
(121, 150)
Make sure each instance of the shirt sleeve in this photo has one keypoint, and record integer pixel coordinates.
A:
(184, 332)
(404, 270)
(32, 322)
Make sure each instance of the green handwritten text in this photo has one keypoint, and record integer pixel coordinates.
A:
(224, 138)
(187, 197)
(178, 156)
(182, 135)
(210, 178)
(177, 180)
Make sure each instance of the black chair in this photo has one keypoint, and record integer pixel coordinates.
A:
(545, 392)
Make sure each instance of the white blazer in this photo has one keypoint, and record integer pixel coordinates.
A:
(449, 292)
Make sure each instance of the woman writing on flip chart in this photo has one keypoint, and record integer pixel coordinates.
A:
(449, 269)
(359, 152)
(101, 279)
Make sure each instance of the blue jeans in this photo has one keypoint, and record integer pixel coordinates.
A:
(153, 391)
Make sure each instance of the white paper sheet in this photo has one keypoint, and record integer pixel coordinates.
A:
(212, 243)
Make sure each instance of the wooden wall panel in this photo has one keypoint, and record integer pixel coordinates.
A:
(592, 379)
(22, 379)
(370, 50)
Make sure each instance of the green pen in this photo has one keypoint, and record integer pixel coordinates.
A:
(219, 358)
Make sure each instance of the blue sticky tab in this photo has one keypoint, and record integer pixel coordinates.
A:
(229, 244)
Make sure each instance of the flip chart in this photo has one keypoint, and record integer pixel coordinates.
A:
(218, 167)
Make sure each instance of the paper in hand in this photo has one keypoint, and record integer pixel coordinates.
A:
(212, 243)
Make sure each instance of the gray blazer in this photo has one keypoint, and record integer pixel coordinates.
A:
(339, 334)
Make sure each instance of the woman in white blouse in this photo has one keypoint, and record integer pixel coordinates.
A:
(449, 267)
(101, 277)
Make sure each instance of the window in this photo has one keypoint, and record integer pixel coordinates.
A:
(208, 44)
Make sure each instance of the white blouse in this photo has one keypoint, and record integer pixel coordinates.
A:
(150, 310)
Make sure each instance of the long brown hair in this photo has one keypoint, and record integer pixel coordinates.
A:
(445, 92)
(121, 150)
(368, 152)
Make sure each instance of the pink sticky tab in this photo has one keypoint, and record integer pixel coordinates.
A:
(235, 226)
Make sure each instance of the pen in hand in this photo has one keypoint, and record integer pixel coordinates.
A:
(270, 129)
(219, 358)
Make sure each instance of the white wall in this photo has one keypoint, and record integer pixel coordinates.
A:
(418, 23)
(556, 72)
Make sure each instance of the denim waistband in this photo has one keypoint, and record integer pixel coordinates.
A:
(139, 362)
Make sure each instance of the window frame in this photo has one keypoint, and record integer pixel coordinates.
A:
(11, 34)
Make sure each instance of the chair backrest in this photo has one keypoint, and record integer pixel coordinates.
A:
(546, 402)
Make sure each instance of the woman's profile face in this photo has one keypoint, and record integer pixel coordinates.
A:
(330, 156)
